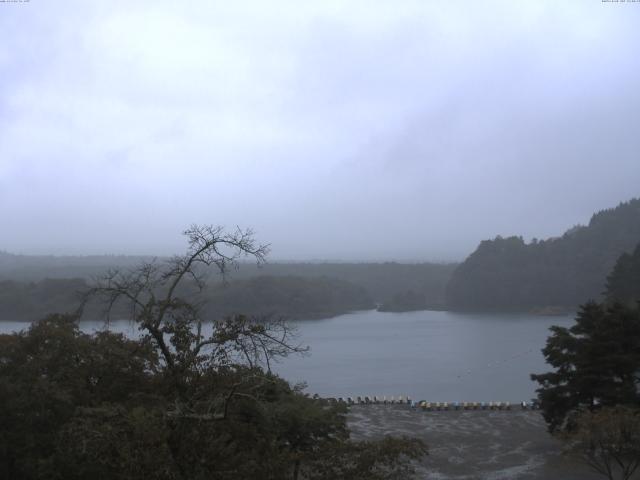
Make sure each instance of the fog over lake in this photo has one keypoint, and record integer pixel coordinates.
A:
(439, 356)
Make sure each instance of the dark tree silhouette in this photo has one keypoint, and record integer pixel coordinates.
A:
(510, 274)
(623, 283)
(596, 363)
(192, 398)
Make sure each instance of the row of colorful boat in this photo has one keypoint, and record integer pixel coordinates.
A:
(399, 400)
(434, 406)
(430, 406)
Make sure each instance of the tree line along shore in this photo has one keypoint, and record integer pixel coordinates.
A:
(506, 274)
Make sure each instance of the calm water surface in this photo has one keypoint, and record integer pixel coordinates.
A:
(439, 356)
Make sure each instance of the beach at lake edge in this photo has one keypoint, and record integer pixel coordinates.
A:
(470, 445)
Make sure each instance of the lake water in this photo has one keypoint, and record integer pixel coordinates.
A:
(438, 356)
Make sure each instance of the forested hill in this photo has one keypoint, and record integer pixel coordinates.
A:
(623, 284)
(286, 296)
(382, 281)
(509, 274)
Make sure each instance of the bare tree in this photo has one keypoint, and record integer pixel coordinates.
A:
(608, 440)
(160, 298)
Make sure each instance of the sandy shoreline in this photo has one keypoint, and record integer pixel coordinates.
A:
(468, 445)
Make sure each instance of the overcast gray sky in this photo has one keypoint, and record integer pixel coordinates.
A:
(405, 130)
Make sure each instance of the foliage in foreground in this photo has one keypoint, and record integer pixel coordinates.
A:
(608, 440)
(189, 400)
(596, 364)
(101, 406)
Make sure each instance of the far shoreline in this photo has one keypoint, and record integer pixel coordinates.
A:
(539, 312)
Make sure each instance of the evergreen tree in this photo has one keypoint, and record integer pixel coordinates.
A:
(510, 274)
(596, 362)
(623, 284)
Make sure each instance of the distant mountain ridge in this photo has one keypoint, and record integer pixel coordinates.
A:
(510, 274)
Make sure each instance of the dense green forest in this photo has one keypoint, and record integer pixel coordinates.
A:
(381, 280)
(28, 301)
(623, 284)
(32, 286)
(508, 273)
(406, 302)
(33, 268)
(287, 296)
